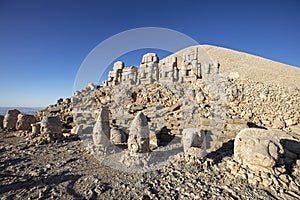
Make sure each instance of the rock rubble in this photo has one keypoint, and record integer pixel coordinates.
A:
(240, 138)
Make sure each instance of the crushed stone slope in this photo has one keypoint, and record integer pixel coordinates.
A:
(254, 67)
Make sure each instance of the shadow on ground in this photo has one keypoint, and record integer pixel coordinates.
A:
(225, 151)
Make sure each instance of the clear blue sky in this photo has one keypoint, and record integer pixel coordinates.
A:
(43, 43)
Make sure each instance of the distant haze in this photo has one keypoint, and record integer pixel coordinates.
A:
(24, 110)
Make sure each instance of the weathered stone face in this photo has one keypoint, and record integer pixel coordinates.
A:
(117, 136)
(1, 121)
(186, 67)
(114, 76)
(10, 119)
(168, 70)
(24, 122)
(194, 139)
(190, 67)
(138, 141)
(150, 58)
(101, 130)
(52, 127)
(149, 72)
(257, 148)
(129, 75)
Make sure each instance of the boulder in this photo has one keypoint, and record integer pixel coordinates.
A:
(117, 136)
(258, 149)
(101, 130)
(24, 122)
(1, 121)
(138, 141)
(10, 119)
(193, 141)
(51, 127)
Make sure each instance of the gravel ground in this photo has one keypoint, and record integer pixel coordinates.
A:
(65, 170)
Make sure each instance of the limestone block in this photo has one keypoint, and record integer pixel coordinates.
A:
(193, 137)
(10, 119)
(82, 129)
(35, 128)
(257, 148)
(24, 122)
(138, 141)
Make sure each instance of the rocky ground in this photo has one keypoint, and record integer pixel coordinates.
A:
(255, 154)
(65, 170)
